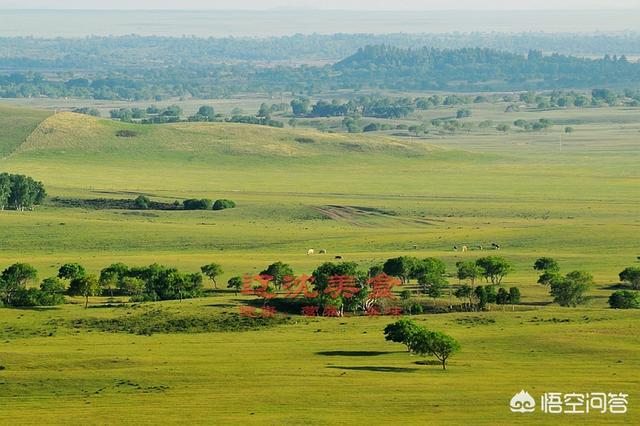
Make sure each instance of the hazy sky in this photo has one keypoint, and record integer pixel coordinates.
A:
(323, 4)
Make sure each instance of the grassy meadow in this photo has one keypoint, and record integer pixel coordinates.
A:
(365, 197)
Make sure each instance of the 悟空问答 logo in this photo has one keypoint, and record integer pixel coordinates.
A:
(522, 402)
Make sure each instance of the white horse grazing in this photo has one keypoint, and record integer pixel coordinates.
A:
(464, 248)
(310, 252)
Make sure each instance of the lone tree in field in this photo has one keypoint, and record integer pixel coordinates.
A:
(235, 283)
(279, 273)
(440, 345)
(212, 270)
(570, 290)
(15, 278)
(401, 331)
(631, 275)
(85, 286)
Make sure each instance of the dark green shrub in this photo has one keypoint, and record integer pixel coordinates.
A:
(624, 299)
(197, 204)
(223, 204)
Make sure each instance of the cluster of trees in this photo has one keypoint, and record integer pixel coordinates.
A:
(567, 290)
(14, 290)
(384, 106)
(626, 299)
(422, 341)
(148, 283)
(20, 192)
(541, 124)
(207, 204)
(150, 115)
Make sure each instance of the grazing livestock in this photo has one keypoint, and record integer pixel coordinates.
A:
(455, 248)
(464, 249)
(495, 246)
(310, 252)
(323, 251)
(338, 257)
(480, 247)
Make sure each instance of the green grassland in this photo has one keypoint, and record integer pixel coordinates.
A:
(365, 197)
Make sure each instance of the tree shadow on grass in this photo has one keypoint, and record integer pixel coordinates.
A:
(221, 305)
(37, 308)
(618, 286)
(377, 369)
(352, 353)
(428, 362)
(545, 303)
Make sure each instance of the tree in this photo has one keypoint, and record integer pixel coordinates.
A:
(264, 111)
(570, 289)
(212, 271)
(438, 344)
(15, 278)
(624, 299)
(24, 192)
(223, 204)
(5, 190)
(494, 268)
(429, 266)
(401, 267)
(550, 270)
(131, 286)
(197, 204)
(279, 272)
(547, 264)
(514, 295)
(235, 283)
(300, 106)
(324, 280)
(206, 111)
(432, 284)
(546, 278)
(465, 292)
(469, 271)
(142, 202)
(52, 291)
(401, 331)
(463, 113)
(112, 276)
(85, 286)
(503, 128)
(71, 271)
(631, 275)
(502, 297)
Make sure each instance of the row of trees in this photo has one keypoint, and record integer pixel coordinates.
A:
(158, 282)
(570, 289)
(20, 192)
(148, 283)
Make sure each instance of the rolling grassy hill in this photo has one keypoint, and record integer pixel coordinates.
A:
(364, 197)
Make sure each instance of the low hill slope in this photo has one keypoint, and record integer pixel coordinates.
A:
(16, 124)
(69, 133)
